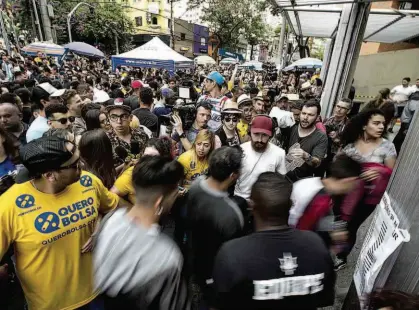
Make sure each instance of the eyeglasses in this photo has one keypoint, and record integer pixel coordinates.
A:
(340, 107)
(229, 119)
(64, 120)
(122, 117)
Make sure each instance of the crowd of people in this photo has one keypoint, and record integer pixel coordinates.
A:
(118, 191)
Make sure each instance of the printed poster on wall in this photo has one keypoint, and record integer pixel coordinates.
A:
(383, 238)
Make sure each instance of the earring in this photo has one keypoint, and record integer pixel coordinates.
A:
(159, 211)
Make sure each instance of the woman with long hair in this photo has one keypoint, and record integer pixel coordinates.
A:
(195, 161)
(363, 141)
(96, 156)
(155, 147)
(383, 102)
(95, 119)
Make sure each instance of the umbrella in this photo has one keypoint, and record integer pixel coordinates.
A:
(204, 60)
(228, 60)
(305, 63)
(84, 49)
(46, 48)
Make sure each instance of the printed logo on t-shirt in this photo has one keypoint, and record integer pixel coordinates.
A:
(47, 222)
(288, 264)
(86, 181)
(25, 201)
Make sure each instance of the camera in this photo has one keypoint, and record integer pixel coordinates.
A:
(187, 113)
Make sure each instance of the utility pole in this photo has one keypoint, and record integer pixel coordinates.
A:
(35, 11)
(117, 44)
(172, 25)
(282, 40)
(4, 33)
(45, 20)
(70, 38)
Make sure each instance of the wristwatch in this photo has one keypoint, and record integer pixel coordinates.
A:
(183, 135)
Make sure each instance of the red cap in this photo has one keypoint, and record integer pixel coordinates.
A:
(136, 84)
(262, 124)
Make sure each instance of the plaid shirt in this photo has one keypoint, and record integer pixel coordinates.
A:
(136, 135)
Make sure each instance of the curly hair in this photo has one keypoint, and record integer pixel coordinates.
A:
(354, 130)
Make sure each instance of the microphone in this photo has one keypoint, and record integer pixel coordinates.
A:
(135, 147)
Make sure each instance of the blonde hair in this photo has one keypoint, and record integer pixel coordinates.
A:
(204, 135)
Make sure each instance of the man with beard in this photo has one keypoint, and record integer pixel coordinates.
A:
(51, 217)
(307, 144)
(11, 119)
(259, 155)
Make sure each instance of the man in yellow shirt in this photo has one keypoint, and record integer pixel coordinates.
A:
(50, 221)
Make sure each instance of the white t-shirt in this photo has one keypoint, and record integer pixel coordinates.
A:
(255, 163)
(401, 94)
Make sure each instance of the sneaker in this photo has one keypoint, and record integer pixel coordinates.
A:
(340, 263)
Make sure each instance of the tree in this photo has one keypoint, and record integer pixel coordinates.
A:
(98, 26)
(230, 21)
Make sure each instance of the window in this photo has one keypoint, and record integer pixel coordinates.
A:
(405, 5)
(182, 37)
(139, 20)
(154, 20)
(202, 41)
(169, 23)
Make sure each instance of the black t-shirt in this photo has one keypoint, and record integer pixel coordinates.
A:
(315, 144)
(147, 119)
(214, 218)
(278, 269)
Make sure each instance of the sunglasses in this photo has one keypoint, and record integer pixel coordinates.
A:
(74, 165)
(229, 119)
(64, 120)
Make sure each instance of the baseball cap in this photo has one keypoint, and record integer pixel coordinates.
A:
(45, 154)
(100, 96)
(262, 124)
(48, 88)
(136, 84)
(118, 105)
(58, 93)
(167, 93)
(216, 77)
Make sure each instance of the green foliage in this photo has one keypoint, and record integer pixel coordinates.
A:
(94, 26)
(230, 20)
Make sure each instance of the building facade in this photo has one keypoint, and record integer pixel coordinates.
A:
(369, 48)
(150, 18)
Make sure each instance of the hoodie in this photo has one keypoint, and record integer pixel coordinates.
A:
(137, 268)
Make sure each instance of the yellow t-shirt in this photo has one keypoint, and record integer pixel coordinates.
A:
(124, 185)
(243, 129)
(48, 232)
(193, 167)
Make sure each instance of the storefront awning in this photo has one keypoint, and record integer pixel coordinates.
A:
(311, 18)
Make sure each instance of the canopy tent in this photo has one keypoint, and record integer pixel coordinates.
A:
(46, 48)
(228, 60)
(253, 64)
(84, 49)
(305, 63)
(383, 26)
(153, 54)
(204, 60)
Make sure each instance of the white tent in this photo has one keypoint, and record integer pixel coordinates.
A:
(204, 60)
(153, 54)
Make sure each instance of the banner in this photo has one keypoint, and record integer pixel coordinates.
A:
(383, 238)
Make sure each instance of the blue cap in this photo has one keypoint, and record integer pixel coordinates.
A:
(216, 77)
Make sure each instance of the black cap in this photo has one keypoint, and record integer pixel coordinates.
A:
(45, 154)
